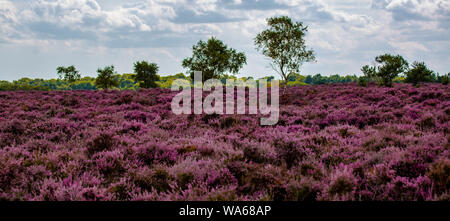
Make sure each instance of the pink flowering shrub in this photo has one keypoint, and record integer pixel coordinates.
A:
(332, 142)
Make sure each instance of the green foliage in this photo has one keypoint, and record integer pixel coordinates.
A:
(362, 81)
(296, 77)
(213, 58)
(23, 84)
(127, 82)
(387, 68)
(106, 78)
(419, 73)
(296, 83)
(296, 80)
(445, 79)
(86, 83)
(399, 79)
(166, 81)
(226, 77)
(299, 80)
(318, 79)
(284, 43)
(269, 78)
(146, 74)
(369, 73)
(69, 74)
(391, 67)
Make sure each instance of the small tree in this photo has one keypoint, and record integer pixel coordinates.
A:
(69, 74)
(363, 81)
(146, 74)
(387, 68)
(213, 58)
(369, 72)
(284, 43)
(390, 67)
(419, 73)
(369, 75)
(106, 78)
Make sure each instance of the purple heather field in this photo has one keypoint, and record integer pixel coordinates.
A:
(332, 142)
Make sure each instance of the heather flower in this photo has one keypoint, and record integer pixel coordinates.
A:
(439, 175)
(342, 184)
(333, 142)
(156, 153)
(101, 142)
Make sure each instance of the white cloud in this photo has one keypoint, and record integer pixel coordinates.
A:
(345, 34)
(87, 15)
(8, 19)
(8, 11)
(415, 9)
(408, 48)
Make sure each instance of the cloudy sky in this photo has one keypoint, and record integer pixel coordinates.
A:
(38, 36)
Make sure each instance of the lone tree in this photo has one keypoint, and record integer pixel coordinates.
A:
(284, 43)
(146, 74)
(213, 58)
(419, 73)
(387, 67)
(69, 74)
(106, 78)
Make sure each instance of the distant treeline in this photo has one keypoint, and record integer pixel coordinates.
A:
(127, 82)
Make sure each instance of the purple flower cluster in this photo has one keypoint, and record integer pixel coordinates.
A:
(332, 142)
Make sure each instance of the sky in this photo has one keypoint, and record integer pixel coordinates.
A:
(36, 36)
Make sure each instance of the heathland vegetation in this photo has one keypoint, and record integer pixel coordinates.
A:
(332, 142)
